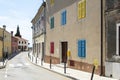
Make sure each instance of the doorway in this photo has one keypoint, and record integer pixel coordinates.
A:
(64, 47)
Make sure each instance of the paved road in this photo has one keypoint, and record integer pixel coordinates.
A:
(19, 68)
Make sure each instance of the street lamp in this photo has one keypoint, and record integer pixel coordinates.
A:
(4, 27)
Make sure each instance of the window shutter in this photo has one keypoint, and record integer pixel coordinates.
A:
(82, 48)
(51, 2)
(83, 8)
(52, 47)
(52, 22)
(62, 18)
(79, 48)
(65, 17)
(79, 10)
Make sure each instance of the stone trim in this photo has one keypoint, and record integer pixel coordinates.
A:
(54, 60)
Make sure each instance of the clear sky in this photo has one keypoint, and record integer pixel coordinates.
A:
(19, 12)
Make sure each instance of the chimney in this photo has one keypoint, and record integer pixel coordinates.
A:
(12, 33)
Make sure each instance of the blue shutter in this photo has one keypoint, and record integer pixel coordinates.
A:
(79, 48)
(82, 48)
(65, 17)
(62, 18)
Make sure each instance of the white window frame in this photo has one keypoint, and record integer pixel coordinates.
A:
(117, 39)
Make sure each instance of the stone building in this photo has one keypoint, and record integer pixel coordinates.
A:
(5, 43)
(112, 29)
(75, 34)
(38, 31)
(14, 43)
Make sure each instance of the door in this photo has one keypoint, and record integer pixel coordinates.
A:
(64, 47)
(43, 50)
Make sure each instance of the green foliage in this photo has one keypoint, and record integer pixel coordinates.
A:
(18, 32)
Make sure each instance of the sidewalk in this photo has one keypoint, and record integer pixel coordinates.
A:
(72, 73)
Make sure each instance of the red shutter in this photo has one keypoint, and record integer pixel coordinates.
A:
(52, 47)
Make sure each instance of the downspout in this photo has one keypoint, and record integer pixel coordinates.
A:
(101, 67)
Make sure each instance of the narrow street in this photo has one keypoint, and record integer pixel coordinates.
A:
(20, 68)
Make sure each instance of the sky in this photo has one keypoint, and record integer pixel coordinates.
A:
(19, 12)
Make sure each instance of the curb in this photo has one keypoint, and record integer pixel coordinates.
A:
(53, 71)
(59, 73)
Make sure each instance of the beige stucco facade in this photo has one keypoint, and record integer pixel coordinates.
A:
(38, 30)
(88, 28)
(7, 43)
(0, 49)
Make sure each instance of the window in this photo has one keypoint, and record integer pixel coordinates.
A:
(51, 2)
(82, 48)
(82, 9)
(63, 17)
(52, 22)
(19, 47)
(52, 47)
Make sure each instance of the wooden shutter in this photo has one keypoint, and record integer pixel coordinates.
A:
(52, 22)
(51, 2)
(65, 16)
(79, 10)
(83, 8)
(79, 48)
(82, 48)
(52, 47)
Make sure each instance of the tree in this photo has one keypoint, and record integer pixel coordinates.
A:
(18, 32)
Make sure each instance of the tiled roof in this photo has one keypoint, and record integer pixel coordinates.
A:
(22, 39)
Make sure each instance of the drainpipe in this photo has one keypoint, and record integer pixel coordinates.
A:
(101, 68)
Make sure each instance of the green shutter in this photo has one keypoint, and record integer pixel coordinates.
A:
(52, 23)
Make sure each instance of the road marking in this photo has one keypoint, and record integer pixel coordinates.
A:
(26, 64)
(18, 65)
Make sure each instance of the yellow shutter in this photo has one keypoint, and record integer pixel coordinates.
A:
(51, 2)
(79, 10)
(83, 8)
